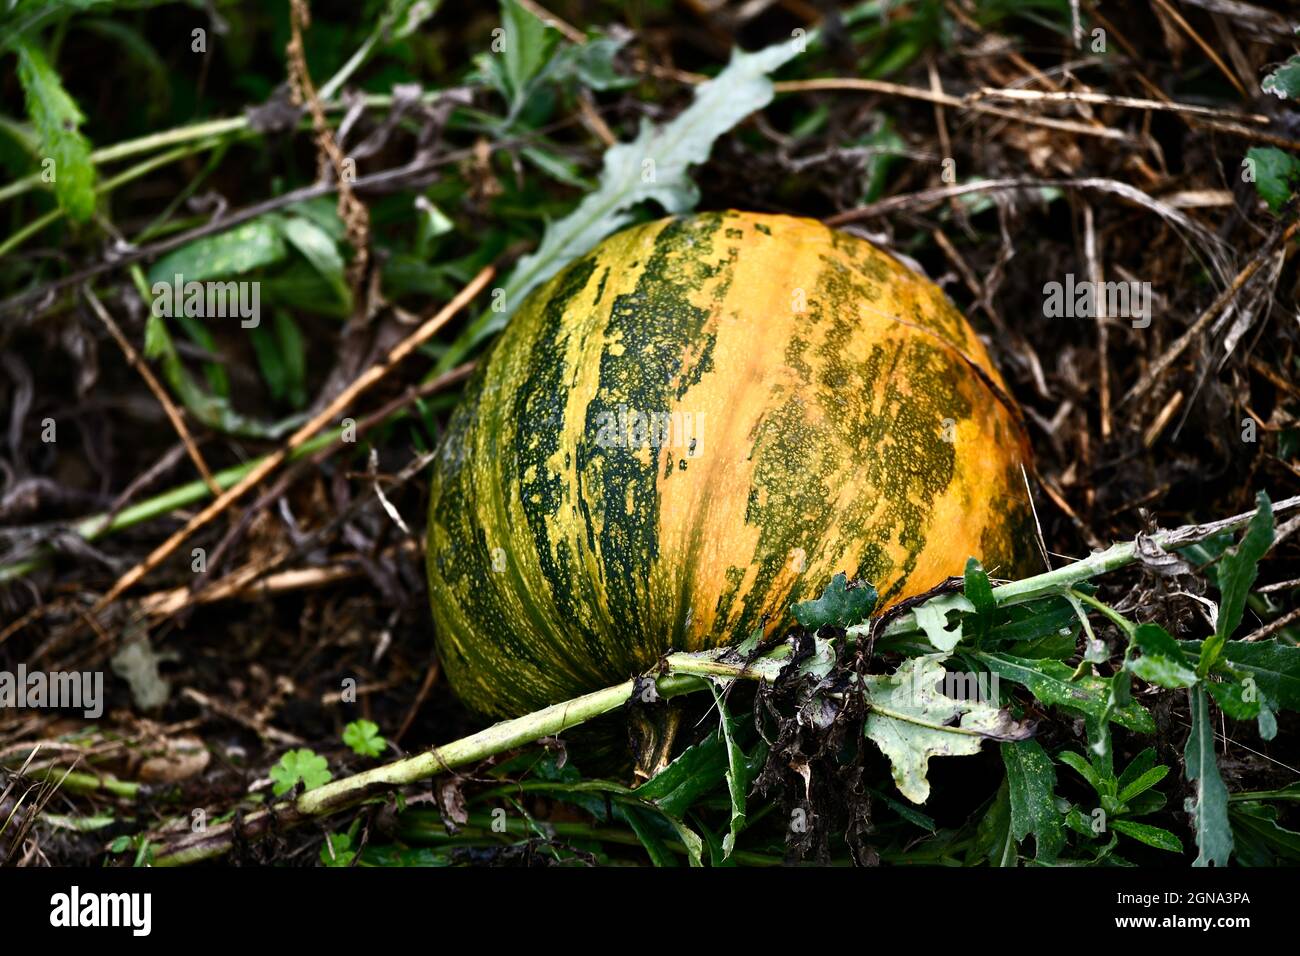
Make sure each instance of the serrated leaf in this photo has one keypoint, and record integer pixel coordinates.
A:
(839, 605)
(910, 720)
(671, 150)
(1050, 682)
(57, 119)
(1209, 804)
(1275, 668)
(1031, 783)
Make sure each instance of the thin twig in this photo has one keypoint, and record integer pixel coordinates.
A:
(160, 393)
(1220, 302)
(327, 414)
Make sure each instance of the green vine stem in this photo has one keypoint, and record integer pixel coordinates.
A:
(680, 673)
(1060, 580)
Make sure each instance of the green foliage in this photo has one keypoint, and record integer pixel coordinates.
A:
(839, 605)
(1277, 175)
(1237, 571)
(295, 766)
(1031, 784)
(364, 738)
(1209, 804)
(1056, 684)
(1284, 82)
(57, 119)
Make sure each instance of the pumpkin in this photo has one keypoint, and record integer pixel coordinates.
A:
(696, 424)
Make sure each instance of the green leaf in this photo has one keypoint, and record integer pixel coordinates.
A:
(691, 840)
(1044, 628)
(932, 618)
(528, 43)
(1081, 766)
(643, 825)
(1232, 699)
(654, 167)
(908, 813)
(1284, 82)
(1157, 837)
(910, 720)
(364, 738)
(1137, 767)
(56, 117)
(337, 850)
(1258, 839)
(319, 249)
(1209, 805)
(1143, 783)
(1050, 682)
(979, 591)
(738, 773)
(697, 770)
(839, 605)
(994, 840)
(1274, 667)
(1162, 662)
(212, 410)
(593, 63)
(241, 249)
(404, 17)
(1277, 175)
(1237, 570)
(1031, 782)
(305, 765)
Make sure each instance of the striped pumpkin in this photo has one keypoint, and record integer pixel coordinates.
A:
(696, 424)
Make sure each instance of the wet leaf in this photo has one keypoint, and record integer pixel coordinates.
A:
(1031, 782)
(1050, 682)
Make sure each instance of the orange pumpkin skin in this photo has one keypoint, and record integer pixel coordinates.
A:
(698, 423)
